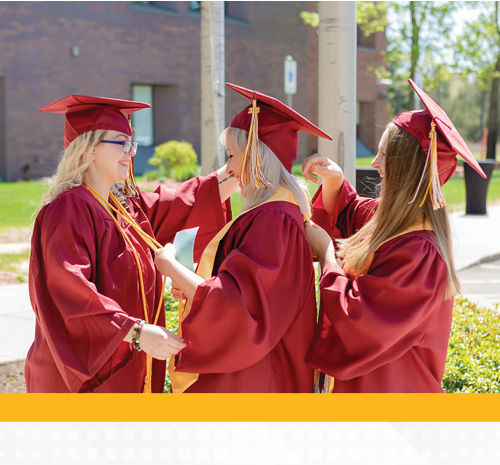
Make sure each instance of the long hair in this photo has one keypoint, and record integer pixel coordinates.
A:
(404, 165)
(274, 172)
(74, 161)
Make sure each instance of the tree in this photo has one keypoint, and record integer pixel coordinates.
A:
(478, 54)
(411, 27)
(417, 34)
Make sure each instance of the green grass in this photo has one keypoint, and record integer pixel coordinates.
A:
(454, 192)
(18, 202)
(364, 162)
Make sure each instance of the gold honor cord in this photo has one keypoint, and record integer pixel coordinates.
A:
(154, 245)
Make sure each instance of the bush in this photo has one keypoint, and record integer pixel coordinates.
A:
(184, 172)
(172, 324)
(473, 363)
(175, 159)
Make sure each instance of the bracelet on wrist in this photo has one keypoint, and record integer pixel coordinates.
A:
(137, 334)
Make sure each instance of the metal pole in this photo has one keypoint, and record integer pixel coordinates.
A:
(337, 83)
(212, 85)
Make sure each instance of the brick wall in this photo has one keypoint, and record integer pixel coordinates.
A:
(122, 43)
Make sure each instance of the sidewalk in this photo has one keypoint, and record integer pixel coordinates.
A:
(476, 238)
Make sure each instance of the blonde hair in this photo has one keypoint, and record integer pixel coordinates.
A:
(274, 172)
(74, 161)
(404, 164)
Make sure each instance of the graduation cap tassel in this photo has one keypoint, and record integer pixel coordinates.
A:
(436, 191)
(434, 186)
(257, 177)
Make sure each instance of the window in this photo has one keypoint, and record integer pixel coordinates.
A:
(363, 40)
(142, 121)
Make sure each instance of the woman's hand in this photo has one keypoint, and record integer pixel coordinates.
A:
(177, 292)
(185, 279)
(322, 166)
(332, 175)
(157, 341)
(321, 244)
(164, 258)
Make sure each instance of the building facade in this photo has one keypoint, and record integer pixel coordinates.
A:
(150, 51)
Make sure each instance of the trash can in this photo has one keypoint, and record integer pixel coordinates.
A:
(476, 187)
(367, 182)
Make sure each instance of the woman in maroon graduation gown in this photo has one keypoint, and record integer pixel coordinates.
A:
(385, 315)
(251, 308)
(93, 284)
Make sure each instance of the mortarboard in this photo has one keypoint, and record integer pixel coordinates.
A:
(438, 137)
(275, 123)
(85, 113)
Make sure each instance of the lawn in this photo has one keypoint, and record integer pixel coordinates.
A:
(18, 202)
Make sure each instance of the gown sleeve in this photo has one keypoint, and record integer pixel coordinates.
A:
(83, 327)
(372, 320)
(350, 213)
(240, 315)
(195, 202)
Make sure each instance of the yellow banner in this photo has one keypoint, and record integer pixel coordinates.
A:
(249, 407)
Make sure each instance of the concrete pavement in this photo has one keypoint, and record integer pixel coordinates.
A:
(476, 240)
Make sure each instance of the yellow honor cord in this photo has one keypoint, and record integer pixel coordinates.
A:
(154, 245)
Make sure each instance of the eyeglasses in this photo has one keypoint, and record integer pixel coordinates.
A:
(127, 145)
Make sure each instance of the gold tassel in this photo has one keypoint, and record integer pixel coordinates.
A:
(257, 177)
(434, 187)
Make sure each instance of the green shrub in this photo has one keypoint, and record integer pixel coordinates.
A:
(175, 159)
(184, 172)
(172, 324)
(473, 363)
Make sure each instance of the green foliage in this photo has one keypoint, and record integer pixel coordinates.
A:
(175, 159)
(478, 47)
(171, 323)
(310, 17)
(473, 364)
(371, 16)
(185, 172)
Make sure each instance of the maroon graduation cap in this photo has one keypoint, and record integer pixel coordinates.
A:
(449, 142)
(85, 113)
(277, 125)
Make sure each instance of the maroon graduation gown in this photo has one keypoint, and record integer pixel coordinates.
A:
(84, 284)
(386, 330)
(251, 324)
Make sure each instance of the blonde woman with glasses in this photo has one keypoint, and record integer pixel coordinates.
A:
(96, 293)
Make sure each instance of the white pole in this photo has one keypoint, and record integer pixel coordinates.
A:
(212, 85)
(337, 83)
